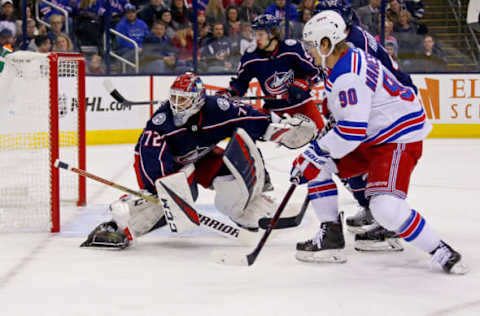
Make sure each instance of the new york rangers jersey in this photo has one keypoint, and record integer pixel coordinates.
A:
(370, 106)
(275, 72)
(360, 38)
(164, 148)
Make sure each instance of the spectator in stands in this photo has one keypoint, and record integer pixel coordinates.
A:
(7, 40)
(432, 56)
(95, 65)
(62, 43)
(46, 11)
(415, 7)
(152, 12)
(30, 35)
(249, 10)
(166, 18)
(389, 38)
(43, 43)
(280, 9)
(180, 14)
(133, 28)
(56, 26)
(7, 16)
(429, 59)
(247, 39)
(390, 48)
(306, 4)
(183, 43)
(117, 10)
(88, 23)
(297, 27)
(159, 48)
(217, 54)
(204, 34)
(369, 16)
(405, 23)
(232, 24)
(215, 11)
(393, 10)
(227, 3)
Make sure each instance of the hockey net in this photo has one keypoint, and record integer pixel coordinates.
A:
(42, 118)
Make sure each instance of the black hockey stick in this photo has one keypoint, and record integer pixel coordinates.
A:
(249, 259)
(286, 222)
(120, 98)
(213, 224)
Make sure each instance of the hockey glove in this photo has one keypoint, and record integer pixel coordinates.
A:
(291, 132)
(308, 165)
(299, 91)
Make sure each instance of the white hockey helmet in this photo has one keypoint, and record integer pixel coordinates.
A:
(326, 24)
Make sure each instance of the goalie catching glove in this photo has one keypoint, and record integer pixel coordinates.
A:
(291, 132)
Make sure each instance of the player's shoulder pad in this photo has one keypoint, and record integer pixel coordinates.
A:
(290, 42)
(218, 103)
(162, 117)
(350, 63)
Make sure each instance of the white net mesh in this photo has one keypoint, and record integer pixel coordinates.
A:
(25, 182)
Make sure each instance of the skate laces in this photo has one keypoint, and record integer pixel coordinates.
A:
(318, 238)
(441, 255)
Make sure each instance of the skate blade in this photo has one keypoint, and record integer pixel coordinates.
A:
(459, 268)
(389, 245)
(360, 229)
(322, 256)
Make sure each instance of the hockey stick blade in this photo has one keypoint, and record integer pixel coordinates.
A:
(249, 259)
(285, 222)
(108, 85)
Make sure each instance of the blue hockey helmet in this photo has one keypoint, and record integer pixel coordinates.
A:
(265, 22)
(341, 6)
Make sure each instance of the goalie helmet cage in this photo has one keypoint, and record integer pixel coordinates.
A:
(43, 119)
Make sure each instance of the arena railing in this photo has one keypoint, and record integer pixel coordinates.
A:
(56, 7)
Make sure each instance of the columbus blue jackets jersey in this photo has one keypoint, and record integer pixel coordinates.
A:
(275, 71)
(164, 148)
(360, 38)
(370, 106)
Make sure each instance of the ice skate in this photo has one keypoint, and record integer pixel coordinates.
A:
(376, 239)
(361, 221)
(450, 260)
(326, 246)
(106, 235)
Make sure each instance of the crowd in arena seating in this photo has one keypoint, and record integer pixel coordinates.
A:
(163, 30)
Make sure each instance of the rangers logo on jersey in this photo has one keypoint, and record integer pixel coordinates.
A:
(279, 82)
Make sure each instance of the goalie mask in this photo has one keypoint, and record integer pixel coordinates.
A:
(187, 96)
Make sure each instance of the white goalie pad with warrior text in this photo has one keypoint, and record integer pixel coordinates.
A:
(236, 192)
(176, 199)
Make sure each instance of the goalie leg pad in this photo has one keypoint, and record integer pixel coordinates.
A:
(245, 162)
(177, 202)
(139, 215)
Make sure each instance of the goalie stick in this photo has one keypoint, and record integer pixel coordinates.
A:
(213, 224)
(286, 222)
(249, 259)
(121, 99)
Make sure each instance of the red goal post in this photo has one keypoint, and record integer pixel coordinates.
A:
(43, 119)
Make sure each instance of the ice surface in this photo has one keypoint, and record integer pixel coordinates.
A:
(43, 274)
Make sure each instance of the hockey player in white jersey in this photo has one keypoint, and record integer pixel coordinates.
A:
(380, 127)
